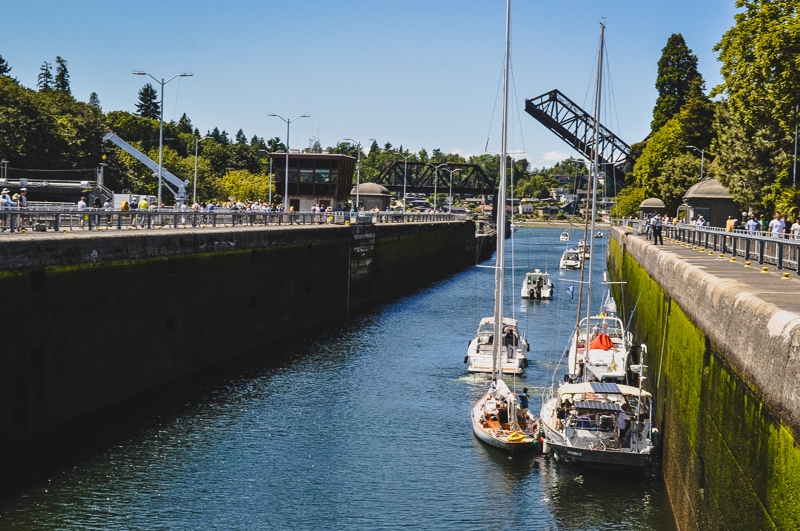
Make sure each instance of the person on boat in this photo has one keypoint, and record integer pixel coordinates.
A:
(623, 424)
(522, 412)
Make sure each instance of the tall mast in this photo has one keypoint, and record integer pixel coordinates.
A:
(501, 208)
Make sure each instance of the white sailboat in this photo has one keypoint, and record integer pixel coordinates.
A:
(593, 419)
(497, 418)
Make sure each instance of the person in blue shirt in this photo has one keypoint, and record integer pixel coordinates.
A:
(523, 406)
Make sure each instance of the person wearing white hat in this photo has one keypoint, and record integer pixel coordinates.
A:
(5, 204)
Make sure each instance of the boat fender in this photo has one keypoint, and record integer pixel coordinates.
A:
(466, 358)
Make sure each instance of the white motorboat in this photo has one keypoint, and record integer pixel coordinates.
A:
(570, 259)
(585, 250)
(537, 285)
(497, 419)
(600, 425)
(564, 236)
(507, 357)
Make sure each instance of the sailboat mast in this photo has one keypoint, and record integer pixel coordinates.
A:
(501, 208)
(596, 158)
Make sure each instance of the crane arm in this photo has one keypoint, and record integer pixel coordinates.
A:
(179, 192)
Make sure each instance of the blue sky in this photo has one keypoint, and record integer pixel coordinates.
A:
(415, 73)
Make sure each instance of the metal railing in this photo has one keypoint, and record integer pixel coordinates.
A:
(60, 219)
(781, 251)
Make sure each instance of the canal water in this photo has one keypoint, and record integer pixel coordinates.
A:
(361, 426)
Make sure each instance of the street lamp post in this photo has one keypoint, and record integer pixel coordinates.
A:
(405, 174)
(358, 166)
(451, 172)
(161, 123)
(702, 158)
(196, 150)
(435, 179)
(286, 177)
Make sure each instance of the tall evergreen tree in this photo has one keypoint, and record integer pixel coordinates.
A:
(4, 68)
(94, 101)
(148, 105)
(45, 79)
(677, 77)
(62, 76)
(240, 137)
(185, 124)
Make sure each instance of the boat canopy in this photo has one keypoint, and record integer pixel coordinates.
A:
(606, 388)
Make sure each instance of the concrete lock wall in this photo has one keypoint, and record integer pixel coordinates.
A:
(724, 365)
(91, 321)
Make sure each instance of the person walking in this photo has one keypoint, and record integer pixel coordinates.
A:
(656, 226)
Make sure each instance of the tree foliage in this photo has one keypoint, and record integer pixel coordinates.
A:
(148, 105)
(677, 79)
(45, 79)
(61, 82)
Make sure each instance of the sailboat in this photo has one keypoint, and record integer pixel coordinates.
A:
(497, 418)
(593, 418)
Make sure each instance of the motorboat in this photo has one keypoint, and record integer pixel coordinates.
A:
(564, 236)
(512, 347)
(497, 416)
(598, 234)
(537, 285)
(570, 259)
(600, 425)
(585, 250)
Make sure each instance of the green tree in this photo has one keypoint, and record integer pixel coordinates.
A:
(677, 78)
(4, 67)
(185, 125)
(242, 185)
(45, 78)
(627, 202)
(241, 138)
(94, 101)
(148, 105)
(62, 76)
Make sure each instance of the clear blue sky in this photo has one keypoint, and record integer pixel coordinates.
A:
(415, 73)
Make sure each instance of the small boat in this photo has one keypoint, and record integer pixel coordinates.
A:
(564, 236)
(598, 234)
(600, 425)
(570, 259)
(584, 250)
(498, 421)
(511, 357)
(537, 285)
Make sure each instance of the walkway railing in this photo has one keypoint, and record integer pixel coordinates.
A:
(42, 219)
(781, 251)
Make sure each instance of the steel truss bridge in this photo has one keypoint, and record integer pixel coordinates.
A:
(576, 127)
(422, 177)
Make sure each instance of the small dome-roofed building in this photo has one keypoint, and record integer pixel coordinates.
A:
(709, 199)
(652, 205)
(371, 196)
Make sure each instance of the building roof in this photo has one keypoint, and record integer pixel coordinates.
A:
(707, 189)
(652, 202)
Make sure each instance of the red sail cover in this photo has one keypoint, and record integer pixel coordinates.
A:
(601, 342)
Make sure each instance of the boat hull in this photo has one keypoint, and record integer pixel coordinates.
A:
(598, 459)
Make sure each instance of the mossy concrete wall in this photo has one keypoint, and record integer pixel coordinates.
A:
(724, 366)
(91, 321)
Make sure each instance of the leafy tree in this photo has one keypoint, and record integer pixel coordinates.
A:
(62, 76)
(677, 175)
(677, 78)
(627, 202)
(94, 101)
(45, 78)
(148, 105)
(750, 160)
(245, 186)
